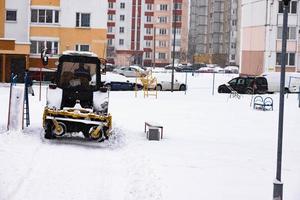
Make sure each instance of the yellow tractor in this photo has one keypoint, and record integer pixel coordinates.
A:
(76, 100)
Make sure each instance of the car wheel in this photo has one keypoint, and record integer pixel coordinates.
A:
(108, 87)
(249, 91)
(182, 88)
(286, 90)
(159, 88)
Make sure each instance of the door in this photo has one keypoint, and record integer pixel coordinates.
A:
(240, 85)
(17, 66)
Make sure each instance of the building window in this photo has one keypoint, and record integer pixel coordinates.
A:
(162, 56)
(177, 42)
(11, 15)
(177, 30)
(290, 59)
(121, 30)
(177, 18)
(148, 43)
(292, 7)
(83, 19)
(233, 57)
(162, 31)
(291, 33)
(122, 5)
(121, 42)
(82, 47)
(110, 42)
(147, 55)
(148, 31)
(233, 22)
(162, 19)
(110, 17)
(44, 16)
(37, 46)
(233, 45)
(109, 29)
(110, 5)
(177, 6)
(122, 17)
(163, 7)
(162, 43)
(148, 18)
(148, 6)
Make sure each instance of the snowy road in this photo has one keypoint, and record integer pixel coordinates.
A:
(215, 148)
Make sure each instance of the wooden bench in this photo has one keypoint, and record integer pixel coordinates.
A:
(154, 125)
(263, 103)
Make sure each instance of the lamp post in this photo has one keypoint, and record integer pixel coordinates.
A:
(278, 185)
(174, 39)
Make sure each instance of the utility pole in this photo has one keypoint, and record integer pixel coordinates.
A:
(278, 185)
(174, 39)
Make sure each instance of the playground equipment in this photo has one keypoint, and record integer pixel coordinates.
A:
(149, 83)
(18, 109)
(77, 101)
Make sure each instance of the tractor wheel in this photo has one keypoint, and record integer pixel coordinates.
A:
(249, 91)
(62, 129)
(48, 132)
(95, 135)
(159, 88)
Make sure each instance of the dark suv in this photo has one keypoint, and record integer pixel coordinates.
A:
(245, 85)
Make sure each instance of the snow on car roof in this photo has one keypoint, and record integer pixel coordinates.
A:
(80, 53)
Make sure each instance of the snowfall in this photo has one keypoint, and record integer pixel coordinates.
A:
(214, 147)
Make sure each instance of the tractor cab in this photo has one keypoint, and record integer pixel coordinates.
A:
(79, 75)
(76, 101)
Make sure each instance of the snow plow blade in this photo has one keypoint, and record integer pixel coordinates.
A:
(93, 126)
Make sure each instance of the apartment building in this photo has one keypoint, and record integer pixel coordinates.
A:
(213, 33)
(141, 31)
(27, 27)
(261, 37)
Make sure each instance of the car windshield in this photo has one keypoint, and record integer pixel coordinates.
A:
(76, 74)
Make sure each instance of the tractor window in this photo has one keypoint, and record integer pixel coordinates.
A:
(81, 75)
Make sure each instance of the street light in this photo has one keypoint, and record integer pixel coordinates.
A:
(278, 185)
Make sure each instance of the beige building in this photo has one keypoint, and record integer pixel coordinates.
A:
(261, 37)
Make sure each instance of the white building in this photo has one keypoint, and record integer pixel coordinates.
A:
(262, 33)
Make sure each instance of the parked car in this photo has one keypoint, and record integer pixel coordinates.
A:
(197, 66)
(292, 81)
(164, 83)
(131, 71)
(110, 67)
(205, 70)
(177, 68)
(116, 82)
(231, 69)
(245, 85)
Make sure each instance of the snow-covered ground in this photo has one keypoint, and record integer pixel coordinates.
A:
(214, 148)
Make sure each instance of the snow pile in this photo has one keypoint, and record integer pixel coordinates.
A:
(214, 148)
